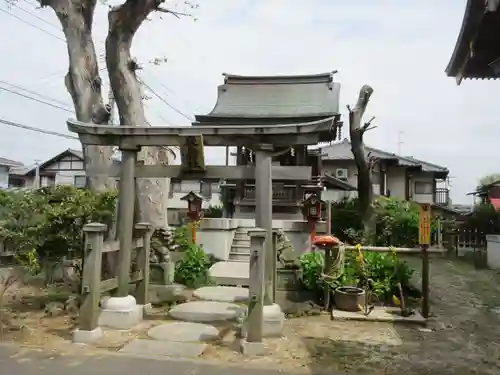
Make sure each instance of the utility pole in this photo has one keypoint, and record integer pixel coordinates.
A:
(400, 141)
(111, 101)
(36, 184)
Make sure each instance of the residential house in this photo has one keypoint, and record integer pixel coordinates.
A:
(488, 193)
(65, 168)
(177, 208)
(393, 175)
(6, 166)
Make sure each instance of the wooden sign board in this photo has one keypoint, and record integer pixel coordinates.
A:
(192, 154)
(424, 228)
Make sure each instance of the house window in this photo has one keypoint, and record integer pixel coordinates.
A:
(80, 182)
(422, 187)
(205, 189)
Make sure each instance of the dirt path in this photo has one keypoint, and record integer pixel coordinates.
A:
(465, 336)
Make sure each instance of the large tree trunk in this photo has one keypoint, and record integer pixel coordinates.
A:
(365, 186)
(83, 83)
(83, 80)
(124, 21)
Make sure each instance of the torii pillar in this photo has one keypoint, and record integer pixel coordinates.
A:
(273, 316)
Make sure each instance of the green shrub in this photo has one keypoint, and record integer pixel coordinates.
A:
(213, 212)
(50, 220)
(385, 269)
(193, 269)
(396, 222)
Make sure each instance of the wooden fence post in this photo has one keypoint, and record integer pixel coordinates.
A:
(146, 231)
(425, 281)
(328, 217)
(275, 263)
(91, 275)
(252, 344)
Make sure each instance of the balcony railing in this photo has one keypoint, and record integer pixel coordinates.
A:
(280, 193)
(442, 196)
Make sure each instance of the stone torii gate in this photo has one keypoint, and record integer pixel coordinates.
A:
(261, 138)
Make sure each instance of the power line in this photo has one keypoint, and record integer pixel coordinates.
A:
(35, 129)
(164, 101)
(30, 24)
(36, 100)
(34, 93)
(34, 15)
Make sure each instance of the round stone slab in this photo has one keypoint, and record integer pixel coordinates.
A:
(184, 332)
(206, 311)
(222, 293)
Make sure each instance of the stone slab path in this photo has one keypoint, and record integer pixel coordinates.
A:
(184, 332)
(176, 339)
(222, 294)
(164, 348)
(206, 311)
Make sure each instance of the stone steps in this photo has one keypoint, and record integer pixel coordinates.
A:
(240, 248)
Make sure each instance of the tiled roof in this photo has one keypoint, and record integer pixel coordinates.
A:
(10, 163)
(342, 151)
(276, 97)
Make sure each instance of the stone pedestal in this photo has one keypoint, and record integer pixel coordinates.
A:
(252, 349)
(274, 320)
(87, 337)
(120, 312)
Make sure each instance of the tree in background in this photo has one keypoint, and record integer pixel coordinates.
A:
(83, 82)
(488, 179)
(363, 162)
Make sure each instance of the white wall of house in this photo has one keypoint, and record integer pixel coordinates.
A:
(4, 176)
(180, 189)
(67, 171)
(396, 181)
(422, 187)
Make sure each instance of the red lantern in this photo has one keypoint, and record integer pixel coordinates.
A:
(194, 211)
(194, 205)
(311, 209)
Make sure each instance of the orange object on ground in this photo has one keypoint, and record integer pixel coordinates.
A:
(321, 241)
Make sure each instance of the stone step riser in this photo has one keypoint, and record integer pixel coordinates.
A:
(242, 247)
(241, 236)
(238, 257)
(238, 253)
(241, 243)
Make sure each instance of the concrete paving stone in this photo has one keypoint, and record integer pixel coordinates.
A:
(222, 293)
(164, 348)
(206, 311)
(184, 332)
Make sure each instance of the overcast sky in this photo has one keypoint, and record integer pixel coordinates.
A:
(401, 48)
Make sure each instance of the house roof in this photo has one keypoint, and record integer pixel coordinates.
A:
(484, 188)
(478, 43)
(69, 151)
(338, 183)
(274, 99)
(342, 151)
(9, 163)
